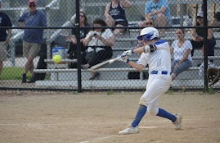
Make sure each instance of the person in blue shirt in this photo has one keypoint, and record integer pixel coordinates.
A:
(33, 38)
(160, 11)
(5, 35)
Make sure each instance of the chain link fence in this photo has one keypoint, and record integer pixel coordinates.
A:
(61, 35)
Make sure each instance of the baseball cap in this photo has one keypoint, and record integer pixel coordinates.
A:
(32, 1)
(200, 14)
(217, 16)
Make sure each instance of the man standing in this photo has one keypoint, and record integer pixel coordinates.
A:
(155, 54)
(5, 35)
(33, 38)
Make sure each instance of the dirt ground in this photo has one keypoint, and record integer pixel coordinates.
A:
(53, 117)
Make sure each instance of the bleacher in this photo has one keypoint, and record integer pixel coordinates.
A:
(60, 75)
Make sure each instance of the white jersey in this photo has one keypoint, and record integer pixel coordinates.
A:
(159, 60)
(180, 51)
(96, 42)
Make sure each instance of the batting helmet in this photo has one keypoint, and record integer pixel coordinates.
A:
(148, 33)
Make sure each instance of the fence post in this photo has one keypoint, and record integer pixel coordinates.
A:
(205, 22)
(77, 25)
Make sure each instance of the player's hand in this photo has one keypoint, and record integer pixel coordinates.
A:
(123, 58)
(127, 53)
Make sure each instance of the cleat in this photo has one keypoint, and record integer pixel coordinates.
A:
(178, 121)
(129, 130)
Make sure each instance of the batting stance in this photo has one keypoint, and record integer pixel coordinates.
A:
(155, 53)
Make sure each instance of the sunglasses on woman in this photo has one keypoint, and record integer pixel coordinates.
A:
(32, 5)
(149, 23)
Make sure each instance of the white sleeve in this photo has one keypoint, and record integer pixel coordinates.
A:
(107, 34)
(90, 33)
(188, 45)
(143, 60)
(163, 46)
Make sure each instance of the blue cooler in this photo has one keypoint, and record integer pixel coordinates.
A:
(60, 51)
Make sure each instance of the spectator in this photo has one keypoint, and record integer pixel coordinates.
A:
(160, 11)
(5, 35)
(181, 48)
(115, 14)
(198, 35)
(216, 21)
(72, 49)
(149, 22)
(33, 38)
(99, 42)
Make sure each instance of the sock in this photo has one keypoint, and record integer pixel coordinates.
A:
(140, 114)
(165, 114)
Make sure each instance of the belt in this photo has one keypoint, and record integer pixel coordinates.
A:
(159, 72)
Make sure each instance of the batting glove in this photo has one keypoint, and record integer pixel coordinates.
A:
(128, 53)
(123, 58)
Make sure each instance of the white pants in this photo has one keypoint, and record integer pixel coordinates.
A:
(157, 85)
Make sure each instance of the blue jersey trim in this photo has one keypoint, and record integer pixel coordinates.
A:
(160, 42)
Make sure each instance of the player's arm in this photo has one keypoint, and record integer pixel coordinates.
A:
(125, 59)
(138, 67)
(143, 49)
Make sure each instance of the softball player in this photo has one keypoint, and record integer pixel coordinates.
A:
(155, 53)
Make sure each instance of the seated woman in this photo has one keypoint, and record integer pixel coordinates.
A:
(181, 49)
(72, 51)
(99, 42)
(115, 14)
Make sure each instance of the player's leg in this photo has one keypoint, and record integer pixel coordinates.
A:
(175, 119)
(140, 114)
(133, 127)
(159, 86)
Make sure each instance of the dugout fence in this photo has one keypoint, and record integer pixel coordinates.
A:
(63, 17)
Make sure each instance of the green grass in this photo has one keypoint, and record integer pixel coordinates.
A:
(12, 73)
